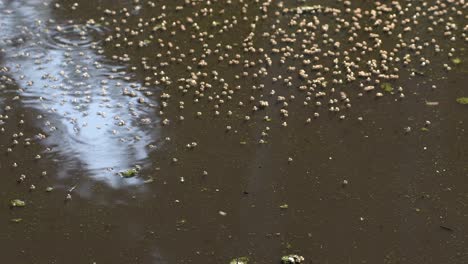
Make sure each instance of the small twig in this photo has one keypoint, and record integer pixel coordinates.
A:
(446, 228)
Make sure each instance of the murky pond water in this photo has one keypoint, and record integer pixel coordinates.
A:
(202, 131)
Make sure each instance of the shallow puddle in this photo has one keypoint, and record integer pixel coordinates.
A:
(205, 131)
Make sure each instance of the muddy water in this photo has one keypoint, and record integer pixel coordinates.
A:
(380, 186)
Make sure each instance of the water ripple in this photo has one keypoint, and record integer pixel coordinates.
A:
(90, 121)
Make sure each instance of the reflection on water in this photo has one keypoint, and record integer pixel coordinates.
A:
(97, 117)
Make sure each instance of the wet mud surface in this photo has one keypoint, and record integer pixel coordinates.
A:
(202, 131)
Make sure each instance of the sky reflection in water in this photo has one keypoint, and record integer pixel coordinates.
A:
(91, 122)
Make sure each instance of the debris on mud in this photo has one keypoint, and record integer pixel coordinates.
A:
(17, 203)
(240, 260)
(16, 220)
(222, 213)
(429, 103)
(149, 180)
(292, 259)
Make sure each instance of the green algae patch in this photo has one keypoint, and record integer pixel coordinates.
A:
(240, 260)
(462, 100)
(387, 87)
(17, 203)
(456, 61)
(292, 259)
(129, 173)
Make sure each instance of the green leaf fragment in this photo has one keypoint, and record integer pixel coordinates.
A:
(456, 61)
(240, 260)
(387, 87)
(17, 203)
(129, 173)
(462, 100)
